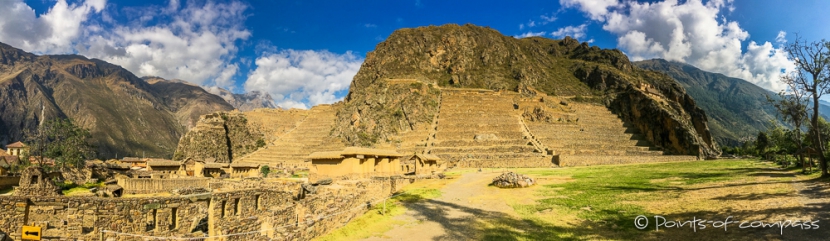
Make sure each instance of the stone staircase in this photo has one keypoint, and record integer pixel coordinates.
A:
(592, 135)
(311, 134)
(481, 128)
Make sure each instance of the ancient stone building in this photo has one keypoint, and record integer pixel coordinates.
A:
(214, 170)
(242, 169)
(354, 162)
(246, 211)
(164, 166)
(135, 161)
(423, 164)
(35, 182)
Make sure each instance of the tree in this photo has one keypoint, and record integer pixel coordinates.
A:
(792, 107)
(761, 143)
(61, 140)
(265, 170)
(811, 75)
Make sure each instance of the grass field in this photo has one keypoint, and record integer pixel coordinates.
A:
(602, 202)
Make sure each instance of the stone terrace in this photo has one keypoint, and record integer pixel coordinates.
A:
(588, 134)
(274, 122)
(480, 128)
(310, 134)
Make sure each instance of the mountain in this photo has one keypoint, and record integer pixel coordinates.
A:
(453, 56)
(736, 108)
(187, 101)
(824, 109)
(246, 101)
(126, 115)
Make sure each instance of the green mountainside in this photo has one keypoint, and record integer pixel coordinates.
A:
(126, 115)
(736, 108)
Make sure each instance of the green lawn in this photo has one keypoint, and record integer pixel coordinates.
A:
(602, 202)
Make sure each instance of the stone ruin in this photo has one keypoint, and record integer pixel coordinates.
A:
(513, 180)
(34, 181)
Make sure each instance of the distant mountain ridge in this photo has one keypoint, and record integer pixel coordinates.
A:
(245, 101)
(736, 108)
(125, 114)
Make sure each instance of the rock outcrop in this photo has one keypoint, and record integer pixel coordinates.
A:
(513, 180)
(222, 136)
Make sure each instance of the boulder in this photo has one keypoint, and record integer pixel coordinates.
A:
(513, 180)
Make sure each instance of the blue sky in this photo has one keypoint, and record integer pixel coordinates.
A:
(306, 52)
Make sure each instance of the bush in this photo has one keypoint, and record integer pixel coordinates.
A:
(265, 170)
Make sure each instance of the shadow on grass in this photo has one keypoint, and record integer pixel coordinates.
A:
(468, 223)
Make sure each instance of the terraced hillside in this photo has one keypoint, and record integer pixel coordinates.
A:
(290, 148)
(274, 122)
(588, 134)
(481, 128)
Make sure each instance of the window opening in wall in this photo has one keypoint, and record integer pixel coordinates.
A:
(173, 217)
(238, 208)
(256, 202)
(223, 209)
(151, 220)
(202, 226)
(34, 180)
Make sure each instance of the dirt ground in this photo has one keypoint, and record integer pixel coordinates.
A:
(458, 212)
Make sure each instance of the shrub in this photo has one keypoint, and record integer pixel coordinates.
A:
(265, 170)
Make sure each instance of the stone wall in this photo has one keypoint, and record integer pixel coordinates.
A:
(278, 211)
(152, 185)
(10, 181)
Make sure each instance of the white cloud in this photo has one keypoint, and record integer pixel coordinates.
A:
(576, 32)
(690, 32)
(52, 32)
(196, 43)
(548, 19)
(596, 9)
(781, 38)
(301, 79)
(370, 25)
(531, 34)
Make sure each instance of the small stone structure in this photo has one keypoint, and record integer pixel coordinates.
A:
(35, 182)
(423, 164)
(135, 162)
(354, 162)
(243, 169)
(164, 166)
(513, 180)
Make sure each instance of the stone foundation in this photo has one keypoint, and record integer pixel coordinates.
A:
(273, 211)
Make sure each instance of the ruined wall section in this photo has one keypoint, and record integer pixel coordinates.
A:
(278, 211)
(9, 181)
(153, 185)
(222, 136)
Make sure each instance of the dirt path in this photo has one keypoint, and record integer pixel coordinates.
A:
(456, 214)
